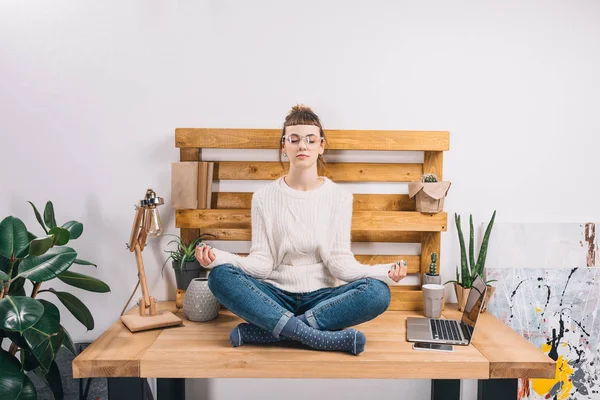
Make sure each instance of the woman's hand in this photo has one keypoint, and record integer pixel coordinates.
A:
(204, 254)
(398, 271)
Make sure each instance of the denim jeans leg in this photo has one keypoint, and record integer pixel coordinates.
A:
(249, 298)
(347, 305)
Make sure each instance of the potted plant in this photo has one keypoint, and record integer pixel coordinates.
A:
(469, 268)
(33, 325)
(429, 193)
(432, 275)
(184, 261)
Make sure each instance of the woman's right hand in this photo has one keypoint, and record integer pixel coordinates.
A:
(204, 254)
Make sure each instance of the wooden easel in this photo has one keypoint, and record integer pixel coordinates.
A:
(148, 317)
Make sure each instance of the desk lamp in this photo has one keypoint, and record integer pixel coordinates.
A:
(146, 223)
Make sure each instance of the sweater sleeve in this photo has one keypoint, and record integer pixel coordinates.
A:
(259, 262)
(341, 262)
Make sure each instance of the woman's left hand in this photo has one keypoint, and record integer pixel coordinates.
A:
(398, 271)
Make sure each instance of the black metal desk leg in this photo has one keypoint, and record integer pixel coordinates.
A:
(445, 389)
(497, 389)
(128, 389)
(170, 388)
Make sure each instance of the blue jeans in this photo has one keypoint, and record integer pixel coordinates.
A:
(270, 308)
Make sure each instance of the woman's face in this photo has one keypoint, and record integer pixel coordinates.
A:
(303, 144)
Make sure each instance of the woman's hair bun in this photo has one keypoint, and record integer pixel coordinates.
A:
(300, 107)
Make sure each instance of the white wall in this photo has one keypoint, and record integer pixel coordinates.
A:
(91, 92)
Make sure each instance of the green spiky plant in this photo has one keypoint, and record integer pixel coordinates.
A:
(185, 252)
(468, 267)
(429, 178)
(34, 325)
(433, 265)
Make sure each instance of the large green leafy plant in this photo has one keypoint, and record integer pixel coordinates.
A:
(34, 325)
(468, 267)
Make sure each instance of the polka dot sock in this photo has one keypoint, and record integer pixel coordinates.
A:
(250, 333)
(348, 340)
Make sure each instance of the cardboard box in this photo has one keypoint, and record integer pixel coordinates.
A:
(429, 195)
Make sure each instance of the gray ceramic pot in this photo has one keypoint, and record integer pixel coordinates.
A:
(190, 271)
(433, 299)
(199, 304)
(435, 279)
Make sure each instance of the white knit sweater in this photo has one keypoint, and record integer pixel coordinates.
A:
(301, 239)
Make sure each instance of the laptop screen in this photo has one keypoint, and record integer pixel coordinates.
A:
(474, 303)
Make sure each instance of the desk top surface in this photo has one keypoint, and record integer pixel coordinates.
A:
(202, 350)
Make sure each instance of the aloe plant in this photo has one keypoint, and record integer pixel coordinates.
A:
(469, 269)
(34, 325)
(433, 265)
(185, 252)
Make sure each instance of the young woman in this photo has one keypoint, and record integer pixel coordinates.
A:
(287, 287)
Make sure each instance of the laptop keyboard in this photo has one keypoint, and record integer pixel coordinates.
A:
(446, 329)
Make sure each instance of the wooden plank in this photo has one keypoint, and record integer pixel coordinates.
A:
(202, 350)
(379, 221)
(117, 352)
(189, 234)
(338, 172)
(362, 202)
(433, 162)
(383, 202)
(406, 298)
(357, 236)
(510, 355)
(225, 138)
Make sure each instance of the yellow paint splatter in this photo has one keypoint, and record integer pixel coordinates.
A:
(538, 309)
(563, 375)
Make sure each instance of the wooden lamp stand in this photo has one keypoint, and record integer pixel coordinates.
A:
(148, 317)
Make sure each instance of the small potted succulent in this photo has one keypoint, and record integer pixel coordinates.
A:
(429, 193)
(469, 268)
(432, 275)
(184, 261)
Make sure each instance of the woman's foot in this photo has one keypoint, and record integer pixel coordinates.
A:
(348, 340)
(250, 333)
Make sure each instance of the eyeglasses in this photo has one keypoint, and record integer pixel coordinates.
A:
(310, 140)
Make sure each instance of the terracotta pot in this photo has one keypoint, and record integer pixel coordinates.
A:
(462, 294)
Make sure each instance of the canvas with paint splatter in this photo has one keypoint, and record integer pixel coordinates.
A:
(548, 291)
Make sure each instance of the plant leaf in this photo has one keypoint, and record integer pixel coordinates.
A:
(52, 380)
(4, 276)
(38, 217)
(61, 235)
(83, 262)
(84, 282)
(13, 237)
(68, 342)
(18, 313)
(28, 392)
(471, 246)
(17, 287)
(49, 215)
(75, 228)
(30, 363)
(464, 272)
(47, 266)
(76, 307)
(45, 337)
(484, 246)
(39, 246)
(11, 375)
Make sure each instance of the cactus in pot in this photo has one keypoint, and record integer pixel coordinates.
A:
(432, 275)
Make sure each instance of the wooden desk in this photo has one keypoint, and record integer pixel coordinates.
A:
(202, 350)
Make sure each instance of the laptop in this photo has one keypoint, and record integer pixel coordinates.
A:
(450, 331)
